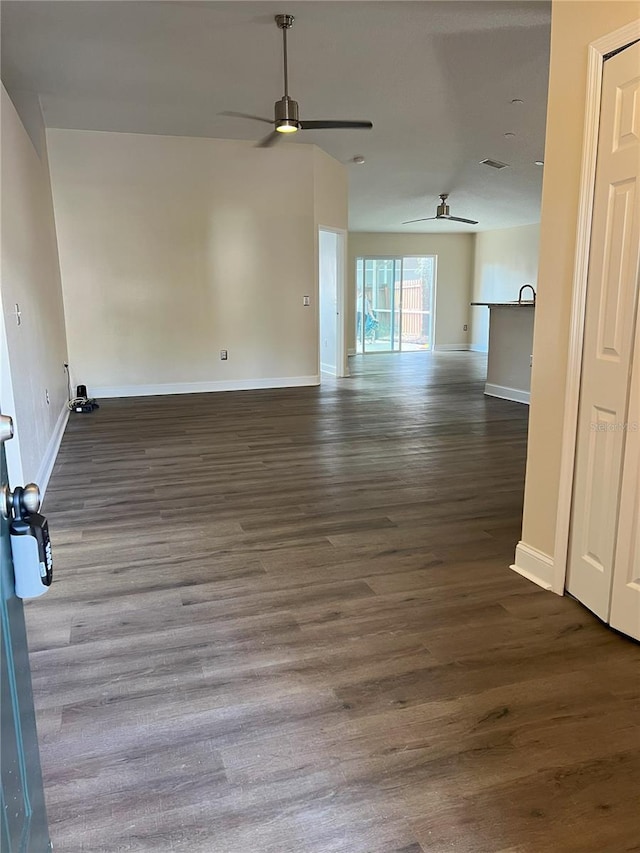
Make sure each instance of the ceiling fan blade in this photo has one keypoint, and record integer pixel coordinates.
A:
(245, 115)
(330, 123)
(410, 221)
(268, 140)
(460, 219)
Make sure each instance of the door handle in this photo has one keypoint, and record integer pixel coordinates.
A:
(23, 499)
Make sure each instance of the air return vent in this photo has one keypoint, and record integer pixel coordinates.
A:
(495, 164)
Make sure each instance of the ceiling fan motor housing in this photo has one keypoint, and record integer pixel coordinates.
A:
(443, 207)
(286, 111)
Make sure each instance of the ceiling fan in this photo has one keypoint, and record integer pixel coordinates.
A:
(286, 116)
(442, 212)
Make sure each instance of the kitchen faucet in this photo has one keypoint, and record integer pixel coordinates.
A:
(524, 287)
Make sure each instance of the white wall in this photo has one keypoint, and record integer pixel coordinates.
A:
(505, 259)
(173, 248)
(30, 277)
(574, 25)
(454, 276)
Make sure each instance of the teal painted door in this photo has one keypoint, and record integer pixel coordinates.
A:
(24, 817)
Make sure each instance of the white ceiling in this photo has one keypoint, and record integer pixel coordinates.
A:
(436, 78)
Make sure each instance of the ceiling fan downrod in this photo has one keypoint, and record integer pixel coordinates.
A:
(287, 119)
(285, 22)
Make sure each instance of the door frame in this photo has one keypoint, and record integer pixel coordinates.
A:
(342, 364)
(597, 52)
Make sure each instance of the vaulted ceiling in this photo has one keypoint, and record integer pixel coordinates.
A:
(443, 82)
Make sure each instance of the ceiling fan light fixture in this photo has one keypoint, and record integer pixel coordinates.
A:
(287, 126)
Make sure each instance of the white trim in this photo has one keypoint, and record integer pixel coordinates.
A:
(328, 369)
(451, 348)
(597, 51)
(51, 453)
(505, 393)
(351, 351)
(202, 387)
(478, 348)
(534, 565)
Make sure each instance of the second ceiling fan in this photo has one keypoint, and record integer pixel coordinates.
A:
(286, 114)
(442, 212)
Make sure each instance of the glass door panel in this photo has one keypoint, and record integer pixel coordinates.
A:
(382, 278)
(377, 308)
(417, 303)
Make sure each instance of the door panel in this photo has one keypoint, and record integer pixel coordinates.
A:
(24, 818)
(625, 598)
(609, 338)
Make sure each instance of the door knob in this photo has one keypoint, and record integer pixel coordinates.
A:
(23, 499)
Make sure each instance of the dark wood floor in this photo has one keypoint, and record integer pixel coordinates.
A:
(283, 622)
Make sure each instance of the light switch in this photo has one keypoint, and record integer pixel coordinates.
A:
(306, 301)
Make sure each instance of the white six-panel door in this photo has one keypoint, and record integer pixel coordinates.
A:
(611, 316)
(625, 595)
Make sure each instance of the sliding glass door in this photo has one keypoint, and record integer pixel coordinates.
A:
(395, 300)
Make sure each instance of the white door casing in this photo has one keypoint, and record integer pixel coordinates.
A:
(611, 307)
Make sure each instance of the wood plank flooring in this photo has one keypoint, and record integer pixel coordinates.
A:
(283, 622)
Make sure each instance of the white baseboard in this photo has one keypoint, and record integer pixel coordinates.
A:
(479, 348)
(51, 453)
(514, 394)
(328, 369)
(534, 565)
(202, 387)
(351, 352)
(451, 348)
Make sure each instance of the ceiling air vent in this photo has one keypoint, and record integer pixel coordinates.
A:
(495, 164)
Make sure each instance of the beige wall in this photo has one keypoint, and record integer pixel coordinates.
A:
(454, 276)
(173, 248)
(36, 348)
(331, 200)
(574, 26)
(505, 259)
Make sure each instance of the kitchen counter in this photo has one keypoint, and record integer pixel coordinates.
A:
(510, 349)
(524, 304)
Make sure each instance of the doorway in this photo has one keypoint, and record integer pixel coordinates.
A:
(395, 303)
(331, 260)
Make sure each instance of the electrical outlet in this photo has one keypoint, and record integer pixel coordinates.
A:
(465, 327)
(224, 355)
(530, 361)
(46, 396)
